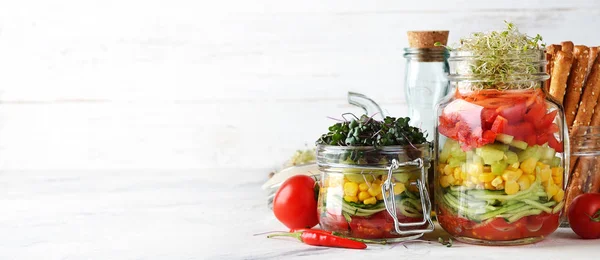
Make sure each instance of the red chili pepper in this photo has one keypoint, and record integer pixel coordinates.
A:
(322, 238)
(366, 241)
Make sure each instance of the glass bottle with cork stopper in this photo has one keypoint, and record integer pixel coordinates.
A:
(425, 77)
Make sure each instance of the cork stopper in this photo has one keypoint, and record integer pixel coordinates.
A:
(427, 39)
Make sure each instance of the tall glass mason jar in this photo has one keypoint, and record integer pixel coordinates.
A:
(501, 153)
(375, 193)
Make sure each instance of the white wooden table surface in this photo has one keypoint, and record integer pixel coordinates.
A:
(189, 215)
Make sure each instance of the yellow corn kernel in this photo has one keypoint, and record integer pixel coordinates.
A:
(531, 177)
(500, 186)
(511, 187)
(444, 181)
(558, 197)
(474, 169)
(551, 189)
(497, 181)
(512, 175)
(457, 173)
(380, 196)
(371, 200)
(486, 177)
(515, 165)
(458, 182)
(463, 175)
(474, 179)
(540, 164)
(363, 195)
(350, 188)
(451, 179)
(442, 166)
(363, 187)
(351, 198)
(488, 186)
(528, 166)
(448, 170)
(524, 182)
(375, 189)
(399, 188)
(557, 175)
(377, 182)
(545, 174)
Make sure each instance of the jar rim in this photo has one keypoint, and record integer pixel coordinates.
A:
(369, 156)
(585, 141)
(373, 148)
(509, 53)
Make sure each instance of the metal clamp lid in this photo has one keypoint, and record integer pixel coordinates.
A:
(387, 190)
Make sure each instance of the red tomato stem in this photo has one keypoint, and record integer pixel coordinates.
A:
(595, 217)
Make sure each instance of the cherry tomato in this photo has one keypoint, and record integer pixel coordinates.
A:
(584, 215)
(295, 203)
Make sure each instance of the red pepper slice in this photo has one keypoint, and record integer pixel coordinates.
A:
(499, 124)
(553, 128)
(531, 140)
(535, 113)
(545, 121)
(555, 144)
(488, 115)
(542, 138)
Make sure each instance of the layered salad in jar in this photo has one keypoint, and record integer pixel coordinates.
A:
(500, 151)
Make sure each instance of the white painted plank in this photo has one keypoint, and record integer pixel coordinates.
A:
(184, 51)
(149, 135)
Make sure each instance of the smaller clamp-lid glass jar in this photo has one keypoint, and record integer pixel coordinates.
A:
(375, 193)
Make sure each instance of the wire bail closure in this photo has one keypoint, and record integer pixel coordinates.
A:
(387, 190)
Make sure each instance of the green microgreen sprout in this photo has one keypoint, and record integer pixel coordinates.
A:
(502, 59)
(366, 131)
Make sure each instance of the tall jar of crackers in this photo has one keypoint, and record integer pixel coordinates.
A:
(500, 144)
(575, 83)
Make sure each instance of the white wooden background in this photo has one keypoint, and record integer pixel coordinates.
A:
(217, 84)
